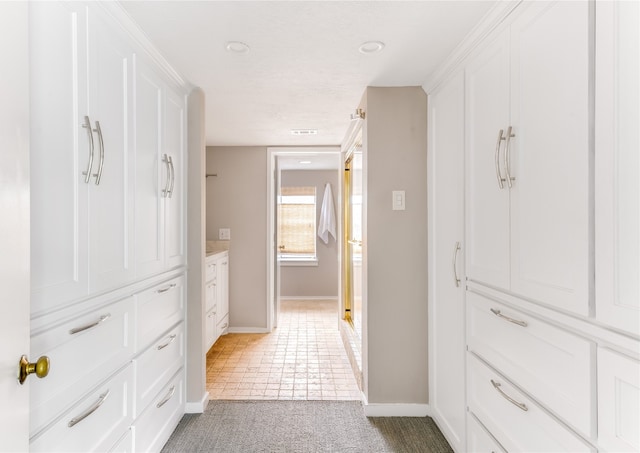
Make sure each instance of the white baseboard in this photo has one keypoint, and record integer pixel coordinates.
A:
(248, 330)
(308, 297)
(197, 407)
(395, 409)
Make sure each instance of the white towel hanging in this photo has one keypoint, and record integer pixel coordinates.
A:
(327, 222)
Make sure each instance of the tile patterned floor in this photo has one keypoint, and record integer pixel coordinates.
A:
(303, 359)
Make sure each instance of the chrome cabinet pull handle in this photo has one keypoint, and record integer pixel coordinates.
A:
(165, 191)
(98, 175)
(101, 399)
(173, 176)
(497, 160)
(507, 158)
(225, 325)
(499, 314)
(172, 390)
(87, 126)
(162, 346)
(455, 262)
(164, 290)
(102, 319)
(496, 385)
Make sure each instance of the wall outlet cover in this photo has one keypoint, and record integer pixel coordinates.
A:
(224, 234)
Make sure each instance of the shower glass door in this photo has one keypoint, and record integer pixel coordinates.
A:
(353, 236)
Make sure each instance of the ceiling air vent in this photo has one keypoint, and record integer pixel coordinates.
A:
(304, 131)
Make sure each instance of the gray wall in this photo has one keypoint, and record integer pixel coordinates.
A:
(320, 280)
(395, 363)
(237, 199)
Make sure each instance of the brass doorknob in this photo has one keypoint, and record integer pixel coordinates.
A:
(40, 368)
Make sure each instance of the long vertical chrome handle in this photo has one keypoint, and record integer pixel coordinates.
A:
(496, 385)
(87, 126)
(165, 191)
(497, 159)
(507, 158)
(173, 176)
(98, 175)
(101, 399)
(455, 262)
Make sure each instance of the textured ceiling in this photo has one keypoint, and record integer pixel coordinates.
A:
(304, 70)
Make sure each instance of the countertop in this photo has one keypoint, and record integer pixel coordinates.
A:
(215, 247)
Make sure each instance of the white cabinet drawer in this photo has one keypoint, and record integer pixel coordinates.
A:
(95, 423)
(618, 402)
(211, 324)
(553, 365)
(478, 439)
(223, 325)
(210, 292)
(500, 407)
(157, 365)
(158, 309)
(210, 268)
(154, 427)
(82, 352)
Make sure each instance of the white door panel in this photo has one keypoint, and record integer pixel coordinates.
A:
(487, 219)
(550, 155)
(447, 286)
(14, 226)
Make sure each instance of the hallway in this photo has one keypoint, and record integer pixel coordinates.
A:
(303, 359)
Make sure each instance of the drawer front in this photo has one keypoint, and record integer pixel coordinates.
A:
(554, 366)
(500, 408)
(618, 402)
(82, 352)
(210, 292)
(155, 425)
(95, 423)
(211, 328)
(157, 310)
(223, 326)
(479, 440)
(157, 365)
(210, 270)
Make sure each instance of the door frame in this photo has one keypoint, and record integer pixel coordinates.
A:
(273, 274)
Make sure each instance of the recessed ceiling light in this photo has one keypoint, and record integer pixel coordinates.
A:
(304, 131)
(305, 162)
(237, 47)
(371, 47)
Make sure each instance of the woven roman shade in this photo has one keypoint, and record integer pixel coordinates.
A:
(297, 221)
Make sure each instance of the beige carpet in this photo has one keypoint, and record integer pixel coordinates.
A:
(301, 426)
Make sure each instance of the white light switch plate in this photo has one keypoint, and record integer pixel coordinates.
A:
(224, 234)
(398, 203)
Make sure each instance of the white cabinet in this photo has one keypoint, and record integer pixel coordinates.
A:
(528, 154)
(80, 154)
(160, 169)
(216, 297)
(617, 115)
(446, 261)
(618, 402)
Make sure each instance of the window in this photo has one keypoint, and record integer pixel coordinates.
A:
(297, 224)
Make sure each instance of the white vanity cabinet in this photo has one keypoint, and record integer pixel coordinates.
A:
(217, 297)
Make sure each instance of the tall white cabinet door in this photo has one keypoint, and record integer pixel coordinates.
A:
(149, 176)
(446, 262)
(549, 155)
(618, 164)
(487, 213)
(175, 202)
(110, 192)
(60, 150)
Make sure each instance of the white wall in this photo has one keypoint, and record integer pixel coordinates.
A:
(320, 280)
